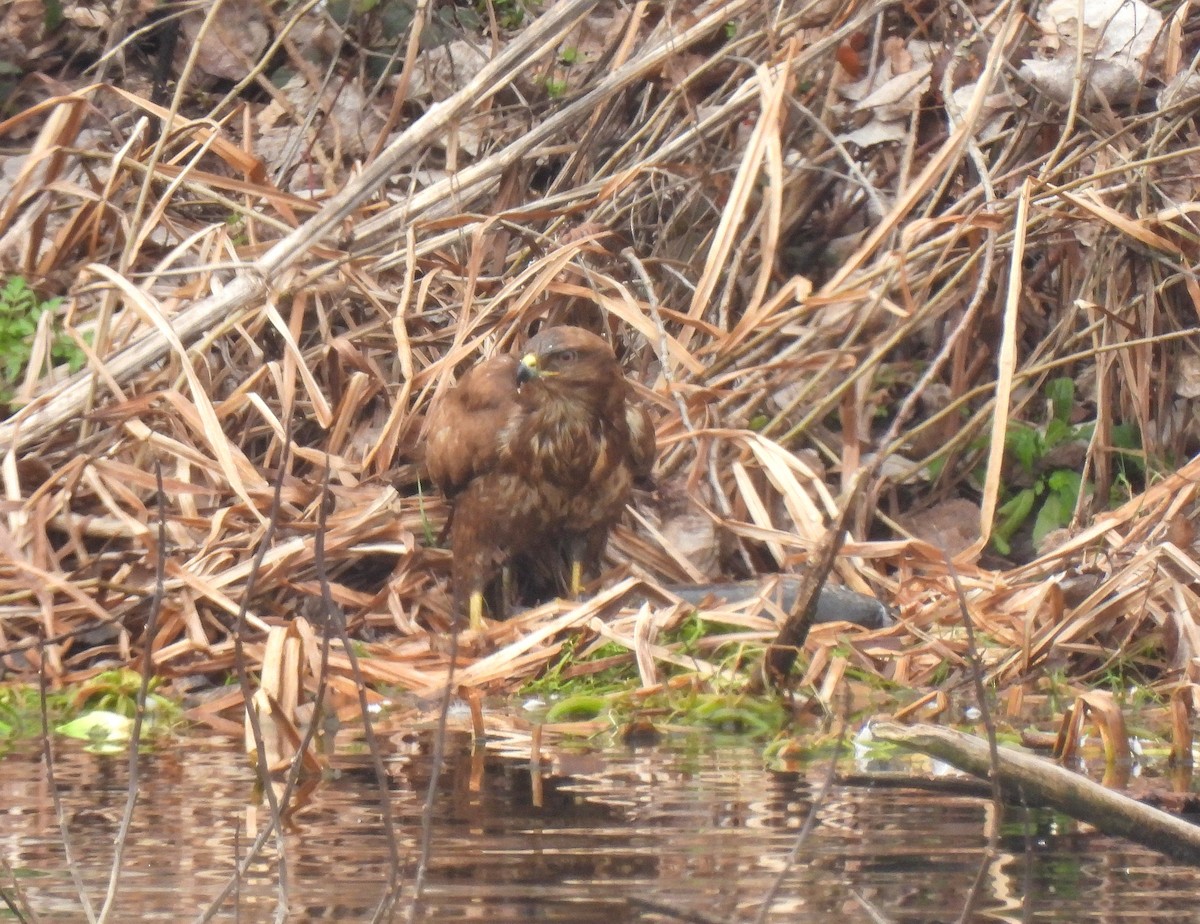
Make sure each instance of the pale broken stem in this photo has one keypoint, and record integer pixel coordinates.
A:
(1039, 781)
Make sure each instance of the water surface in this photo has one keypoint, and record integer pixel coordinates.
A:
(695, 825)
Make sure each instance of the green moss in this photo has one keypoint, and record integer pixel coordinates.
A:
(731, 714)
(579, 708)
(602, 668)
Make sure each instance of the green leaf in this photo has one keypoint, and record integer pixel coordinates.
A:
(1010, 517)
(1054, 514)
(1126, 436)
(1061, 392)
(1025, 443)
(52, 14)
(396, 19)
(1065, 485)
(1057, 433)
(20, 311)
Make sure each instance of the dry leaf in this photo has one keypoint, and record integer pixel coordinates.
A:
(1187, 376)
(1119, 43)
(953, 524)
(891, 94)
(994, 117)
(233, 41)
(444, 70)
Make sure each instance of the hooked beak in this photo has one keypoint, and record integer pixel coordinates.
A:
(528, 370)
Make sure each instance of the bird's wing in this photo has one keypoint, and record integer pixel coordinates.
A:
(464, 428)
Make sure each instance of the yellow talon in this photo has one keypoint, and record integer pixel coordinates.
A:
(476, 614)
(576, 578)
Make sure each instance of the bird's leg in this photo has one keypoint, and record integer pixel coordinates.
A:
(476, 611)
(576, 547)
(576, 576)
(583, 552)
(506, 592)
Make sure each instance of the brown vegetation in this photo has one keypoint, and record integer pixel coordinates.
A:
(272, 285)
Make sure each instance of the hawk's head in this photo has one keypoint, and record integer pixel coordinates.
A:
(570, 361)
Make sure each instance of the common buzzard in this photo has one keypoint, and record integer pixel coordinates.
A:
(538, 457)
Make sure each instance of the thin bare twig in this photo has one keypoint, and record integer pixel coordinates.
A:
(437, 760)
(135, 735)
(56, 797)
(810, 821)
(262, 764)
(333, 616)
(975, 663)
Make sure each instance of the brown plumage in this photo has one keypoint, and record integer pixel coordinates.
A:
(538, 457)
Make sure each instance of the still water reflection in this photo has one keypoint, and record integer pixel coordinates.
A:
(699, 827)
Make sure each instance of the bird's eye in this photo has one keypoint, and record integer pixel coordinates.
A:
(565, 356)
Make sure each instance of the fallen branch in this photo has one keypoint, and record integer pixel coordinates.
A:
(1037, 780)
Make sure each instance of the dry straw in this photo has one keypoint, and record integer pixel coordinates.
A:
(773, 288)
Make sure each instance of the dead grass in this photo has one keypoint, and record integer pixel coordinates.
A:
(795, 308)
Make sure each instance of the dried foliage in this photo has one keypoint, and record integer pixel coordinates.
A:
(256, 265)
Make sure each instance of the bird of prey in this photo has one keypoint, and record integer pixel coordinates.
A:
(538, 457)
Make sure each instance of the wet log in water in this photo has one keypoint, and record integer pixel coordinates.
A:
(1036, 780)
